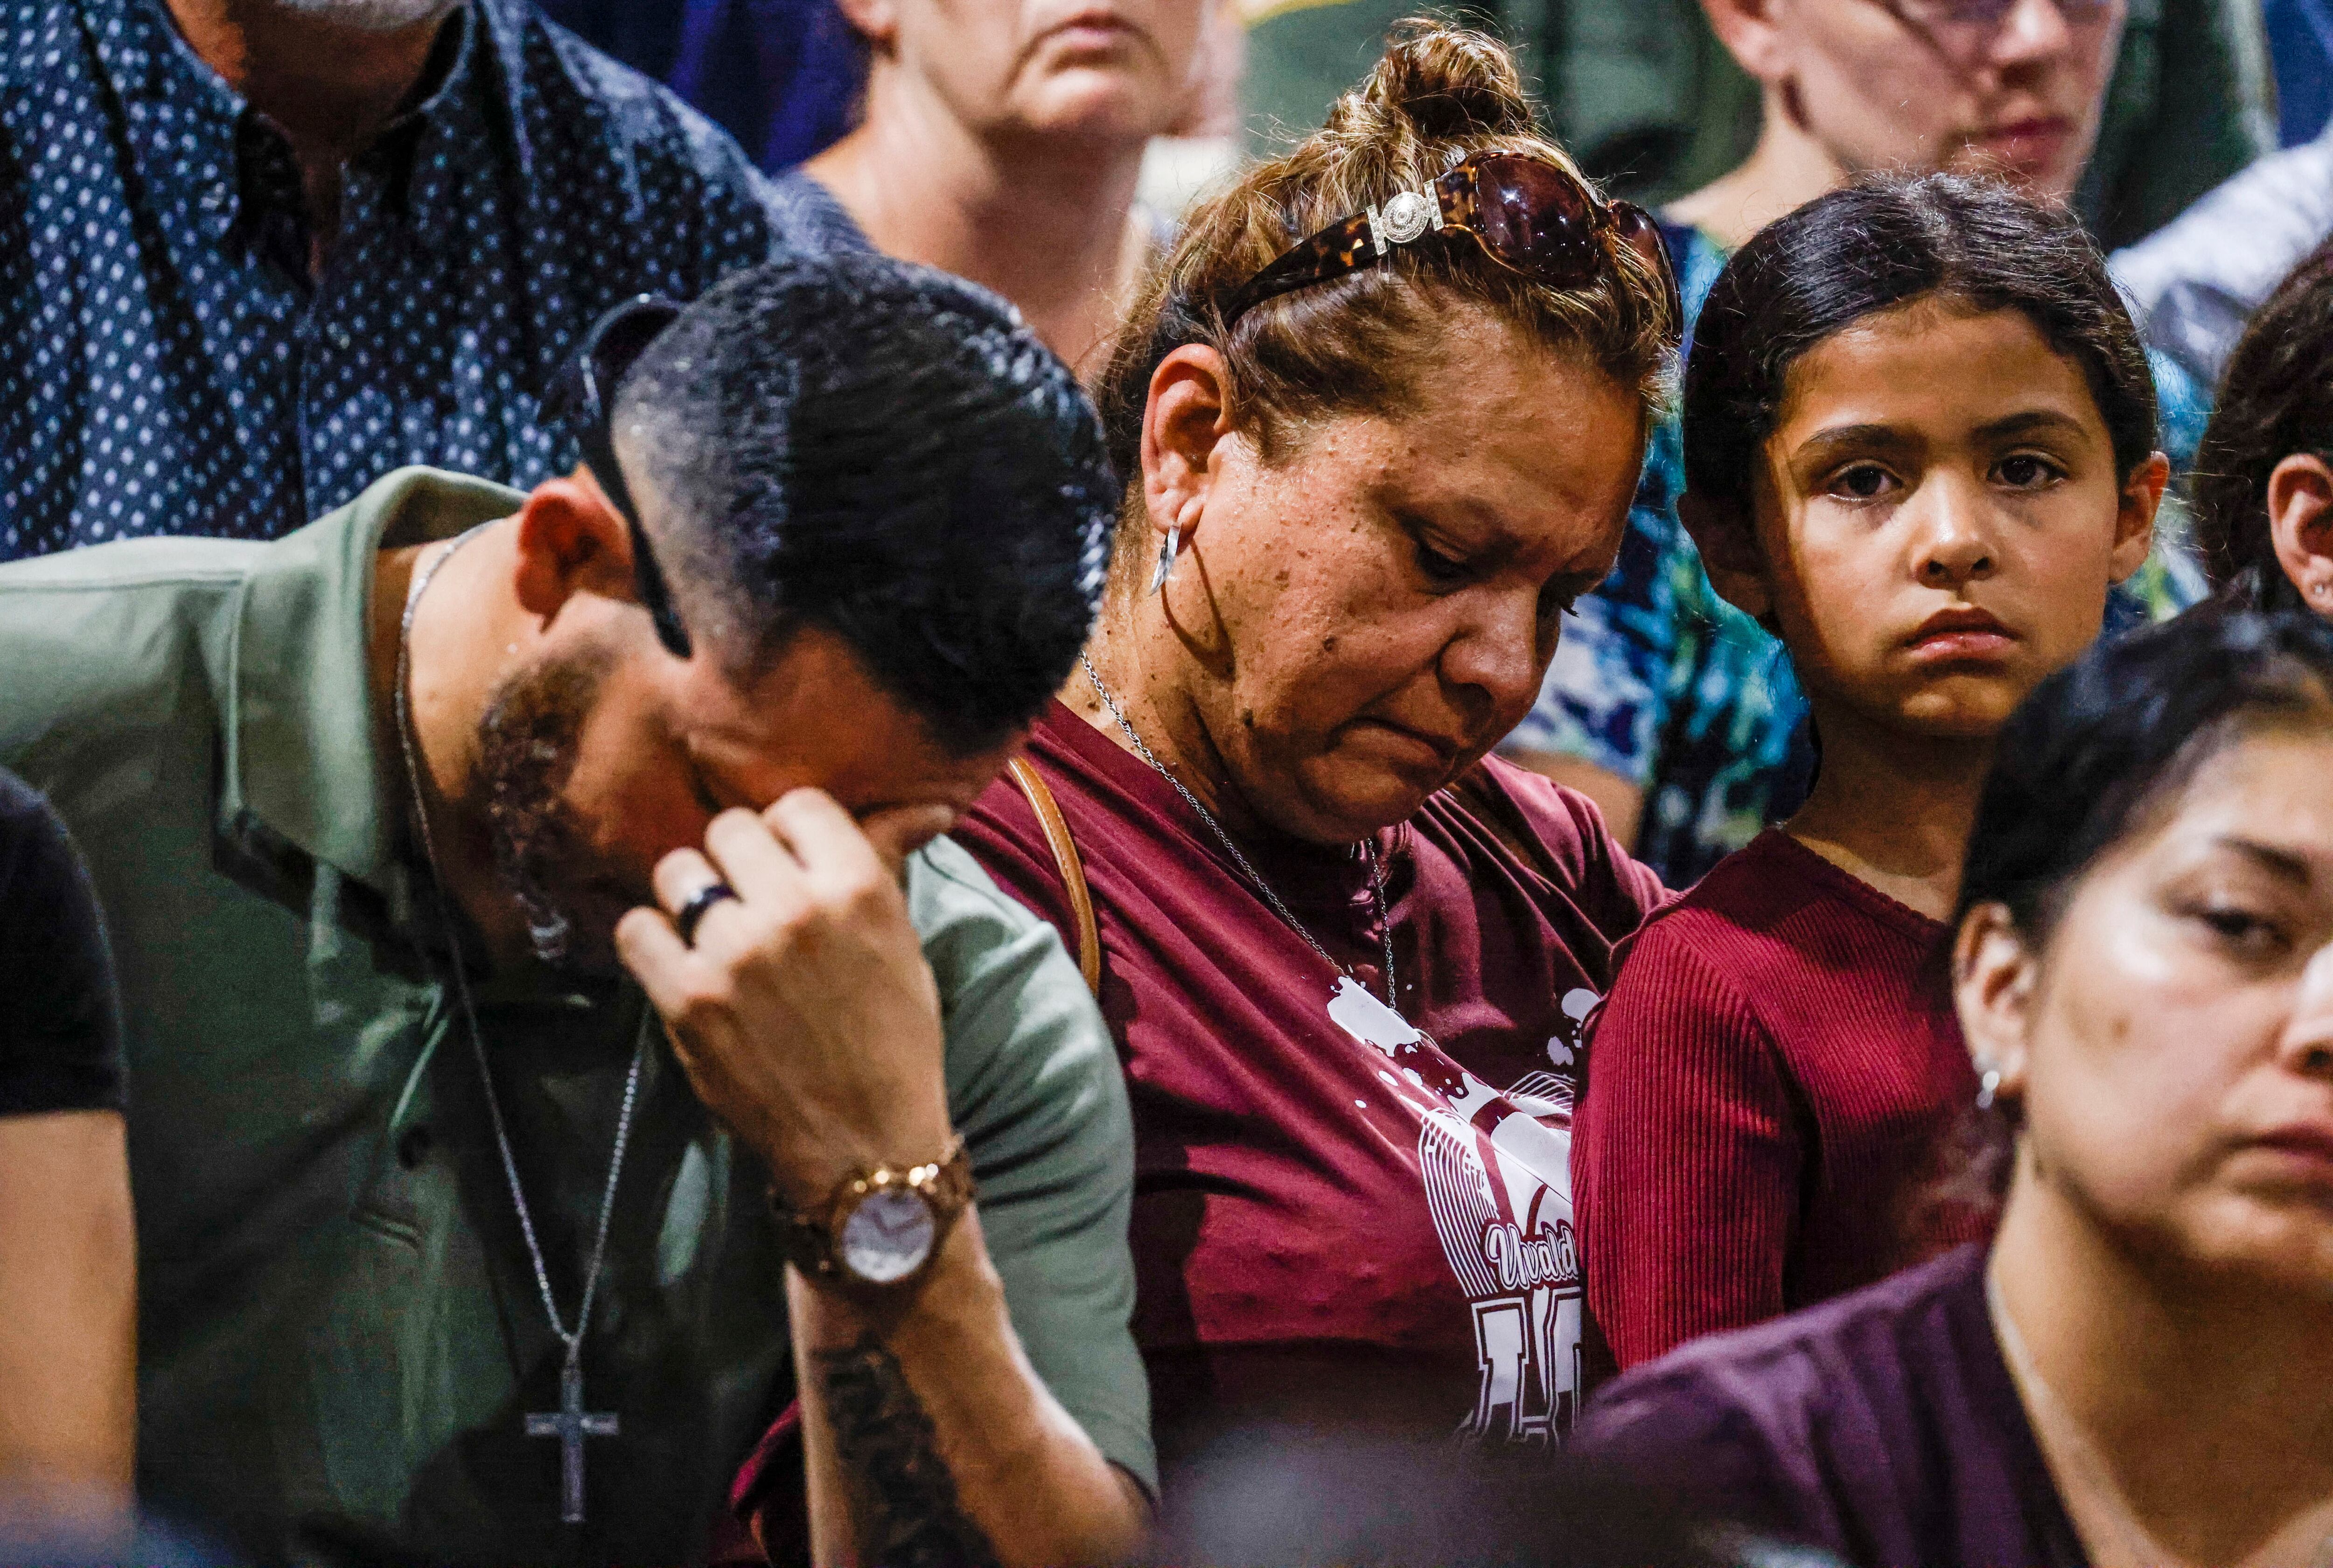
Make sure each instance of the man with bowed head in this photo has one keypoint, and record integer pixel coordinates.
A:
(457, 1244)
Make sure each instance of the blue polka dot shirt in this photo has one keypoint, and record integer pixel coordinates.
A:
(169, 364)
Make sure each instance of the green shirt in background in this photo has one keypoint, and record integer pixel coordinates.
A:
(340, 1334)
(1643, 93)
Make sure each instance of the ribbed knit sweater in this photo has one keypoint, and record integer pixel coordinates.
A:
(1768, 1087)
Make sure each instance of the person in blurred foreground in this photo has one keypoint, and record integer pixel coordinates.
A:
(1312, 1494)
(2139, 1373)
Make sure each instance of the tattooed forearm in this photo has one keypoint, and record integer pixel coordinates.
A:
(904, 1501)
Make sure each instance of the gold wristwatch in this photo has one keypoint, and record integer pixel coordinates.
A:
(878, 1232)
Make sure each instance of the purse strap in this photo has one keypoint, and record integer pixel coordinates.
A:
(1056, 828)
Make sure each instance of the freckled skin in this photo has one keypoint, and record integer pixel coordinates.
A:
(1518, 463)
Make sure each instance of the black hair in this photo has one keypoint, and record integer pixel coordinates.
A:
(2088, 754)
(2275, 401)
(888, 452)
(1883, 242)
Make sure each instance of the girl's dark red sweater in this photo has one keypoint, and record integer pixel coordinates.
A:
(1769, 1086)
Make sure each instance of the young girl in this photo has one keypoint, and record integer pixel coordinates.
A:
(1920, 448)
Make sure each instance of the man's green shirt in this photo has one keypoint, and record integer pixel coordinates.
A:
(340, 1332)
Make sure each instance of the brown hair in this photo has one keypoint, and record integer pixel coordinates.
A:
(1440, 94)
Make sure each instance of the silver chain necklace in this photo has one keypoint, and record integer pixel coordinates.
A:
(571, 1423)
(1376, 863)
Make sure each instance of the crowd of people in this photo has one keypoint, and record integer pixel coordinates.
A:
(907, 864)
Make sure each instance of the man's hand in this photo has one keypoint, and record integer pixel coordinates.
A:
(805, 1014)
(808, 1021)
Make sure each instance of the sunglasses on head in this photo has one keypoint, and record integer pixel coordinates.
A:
(583, 397)
(1529, 214)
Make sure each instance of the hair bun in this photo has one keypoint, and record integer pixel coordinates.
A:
(1446, 80)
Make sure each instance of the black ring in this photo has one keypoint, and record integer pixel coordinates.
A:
(686, 918)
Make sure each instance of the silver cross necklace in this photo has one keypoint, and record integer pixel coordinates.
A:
(1350, 1007)
(571, 1423)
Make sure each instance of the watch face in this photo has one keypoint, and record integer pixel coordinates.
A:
(887, 1236)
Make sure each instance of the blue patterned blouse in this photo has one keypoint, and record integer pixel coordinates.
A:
(167, 365)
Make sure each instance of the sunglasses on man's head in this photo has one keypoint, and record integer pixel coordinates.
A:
(1529, 214)
(584, 396)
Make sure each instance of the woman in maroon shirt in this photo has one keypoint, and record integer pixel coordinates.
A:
(1381, 414)
(1919, 436)
(2139, 1374)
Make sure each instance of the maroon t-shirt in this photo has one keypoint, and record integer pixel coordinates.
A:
(1769, 1087)
(1305, 1202)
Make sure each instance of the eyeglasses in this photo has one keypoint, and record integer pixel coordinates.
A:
(583, 397)
(1971, 18)
(1529, 214)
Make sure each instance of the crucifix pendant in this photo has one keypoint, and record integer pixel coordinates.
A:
(571, 1424)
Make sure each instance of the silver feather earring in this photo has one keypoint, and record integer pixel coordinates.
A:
(1167, 550)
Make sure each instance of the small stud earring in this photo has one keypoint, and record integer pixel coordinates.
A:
(1987, 1086)
(1168, 550)
(2321, 590)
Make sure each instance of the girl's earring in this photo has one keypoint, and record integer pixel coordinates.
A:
(1987, 1086)
(2321, 590)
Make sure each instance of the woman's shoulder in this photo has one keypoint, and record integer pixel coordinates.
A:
(809, 217)
(1720, 921)
(1533, 822)
(1070, 766)
(1783, 1373)
(1826, 1423)
(1770, 901)
(1076, 805)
